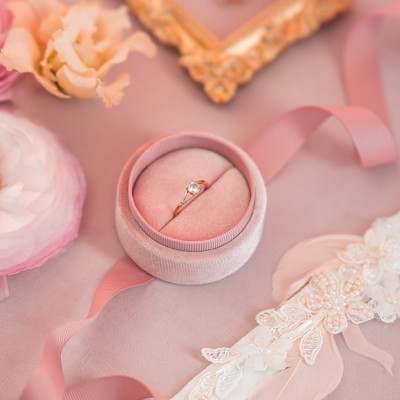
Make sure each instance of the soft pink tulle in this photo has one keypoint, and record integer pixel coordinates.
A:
(356, 342)
(41, 197)
(301, 261)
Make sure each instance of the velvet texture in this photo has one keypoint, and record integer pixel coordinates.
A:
(237, 210)
(211, 213)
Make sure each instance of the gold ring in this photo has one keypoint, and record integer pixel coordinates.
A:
(192, 189)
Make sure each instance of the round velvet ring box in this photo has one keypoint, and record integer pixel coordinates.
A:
(211, 237)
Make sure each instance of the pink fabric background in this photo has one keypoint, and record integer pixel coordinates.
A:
(323, 190)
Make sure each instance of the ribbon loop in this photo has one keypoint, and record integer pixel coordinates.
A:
(47, 382)
(374, 143)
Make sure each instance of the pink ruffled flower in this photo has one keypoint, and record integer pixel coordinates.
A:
(7, 78)
(42, 190)
(69, 50)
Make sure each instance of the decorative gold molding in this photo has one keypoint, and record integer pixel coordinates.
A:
(221, 66)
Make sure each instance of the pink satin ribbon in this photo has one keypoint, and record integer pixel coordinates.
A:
(47, 382)
(373, 142)
(361, 62)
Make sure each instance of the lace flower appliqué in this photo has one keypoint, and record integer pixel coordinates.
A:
(264, 352)
(379, 251)
(385, 299)
(366, 283)
(291, 322)
(338, 301)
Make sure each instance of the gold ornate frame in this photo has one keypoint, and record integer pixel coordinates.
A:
(223, 65)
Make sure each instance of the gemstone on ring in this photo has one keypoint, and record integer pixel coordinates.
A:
(193, 187)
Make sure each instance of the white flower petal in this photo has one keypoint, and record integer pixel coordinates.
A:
(373, 238)
(375, 292)
(255, 362)
(372, 273)
(390, 259)
(276, 362)
(391, 281)
(356, 253)
(261, 341)
(248, 349)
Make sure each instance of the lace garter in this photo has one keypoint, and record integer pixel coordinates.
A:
(291, 343)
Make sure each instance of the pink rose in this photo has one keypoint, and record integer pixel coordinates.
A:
(70, 49)
(7, 78)
(42, 191)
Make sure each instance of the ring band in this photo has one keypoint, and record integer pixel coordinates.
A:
(192, 189)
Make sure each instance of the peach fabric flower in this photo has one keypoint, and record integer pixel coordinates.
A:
(42, 189)
(69, 50)
(7, 78)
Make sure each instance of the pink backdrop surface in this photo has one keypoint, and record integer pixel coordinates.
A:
(155, 332)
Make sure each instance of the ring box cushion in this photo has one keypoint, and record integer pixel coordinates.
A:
(221, 226)
(161, 186)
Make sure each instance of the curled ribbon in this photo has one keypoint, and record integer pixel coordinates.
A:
(47, 382)
(361, 62)
(373, 142)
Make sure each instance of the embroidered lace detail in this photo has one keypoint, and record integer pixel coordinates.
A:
(266, 351)
(339, 301)
(366, 284)
(385, 299)
(291, 322)
(379, 251)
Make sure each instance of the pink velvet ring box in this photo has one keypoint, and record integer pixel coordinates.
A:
(215, 233)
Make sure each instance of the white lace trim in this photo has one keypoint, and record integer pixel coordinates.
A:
(367, 285)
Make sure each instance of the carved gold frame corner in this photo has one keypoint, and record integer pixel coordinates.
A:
(221, 66)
